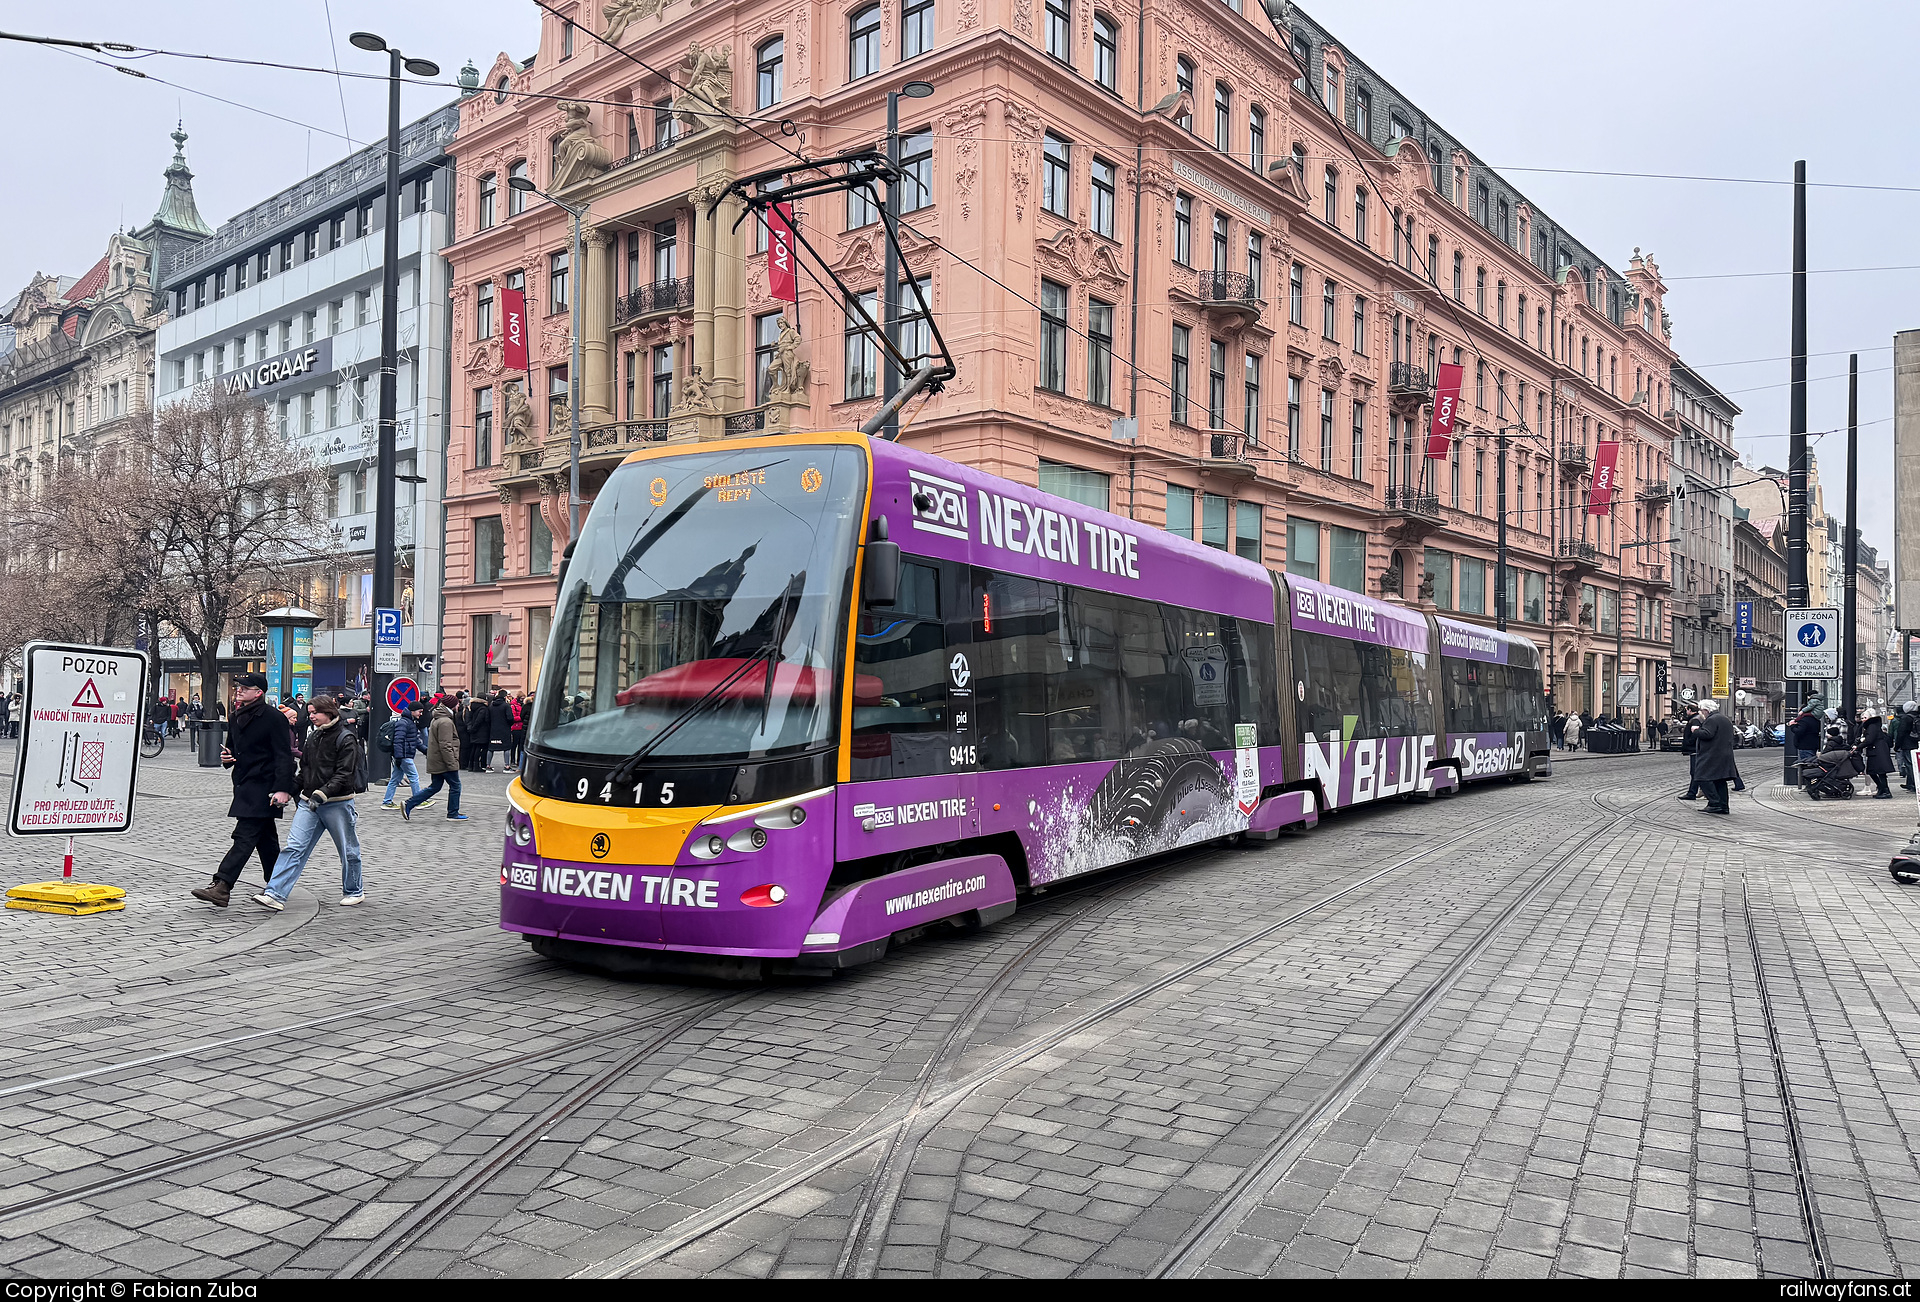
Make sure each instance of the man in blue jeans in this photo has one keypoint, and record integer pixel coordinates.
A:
(443, 765)
(329, 780)
(408, 741)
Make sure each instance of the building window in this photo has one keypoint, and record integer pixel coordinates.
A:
(1326, 430)
(1251, 397)
(1182, 343)
(1180, 510)
(1256, 270)
(1360, 215)
(1216, 384)
(1433, 260)
(1363, 113)
(1183, 82)
(1222, 118)
(1333, 197)
(1480, 290)
(539, 543)
(862, 207)
(766, 333)
(1360, 325)
(1297, 294)
(1100, 352)
(1303, 548)
(632, 373)
(662, 381)
(1328, 291)
(557, 282)
(863, 43)
(488, 192)
(1257, 140)
(1101, 217)
(1500, 304)
(1106, 51)
(1479, 482)
(1480, 206)
(1220, 232)
(916, 170)
(1459, 277)
(1357, 464)
(489, 549)
(916, 328)
(1053, 337)
(770, 70)
(1504, 218)
(862, 346)
(1183, 229)
(1087, 487)
(916, 27)
(482, 427)
(1055, 154)
(1247, 531)
(1060, 29)
(516, 199)
(336, 232)
(1293, 417)
(665, 131)
(1213, 521)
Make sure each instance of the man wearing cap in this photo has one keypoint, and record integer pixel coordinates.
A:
(259, 753)
(1713, 756)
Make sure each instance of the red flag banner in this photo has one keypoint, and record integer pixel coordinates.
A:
(1446, 401)
(783, 285)
(513, 327)
(1606, 457)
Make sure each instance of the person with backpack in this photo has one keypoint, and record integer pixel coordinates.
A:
(329, 779)
(443, 765)
(401, 738)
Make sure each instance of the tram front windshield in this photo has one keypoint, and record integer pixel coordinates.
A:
(703, 614)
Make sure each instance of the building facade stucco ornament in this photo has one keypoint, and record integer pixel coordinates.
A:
(618, 15)
(581, 157)
(696, 396)
(709, 86)
(789, 372)
(518, 415)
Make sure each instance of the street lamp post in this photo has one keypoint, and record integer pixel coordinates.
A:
(383, 519)
(890, 320)
(574, 284)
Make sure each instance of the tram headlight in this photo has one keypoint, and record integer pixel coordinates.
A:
(520, 828)
(707, 847)
(783, 817)
(747, 840)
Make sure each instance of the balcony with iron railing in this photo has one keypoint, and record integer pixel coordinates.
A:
(1656, 495)
(1573, 456)
(1710, 603)
(1579, 549)
(1225, 452)
(649, 300)
(1409, 387)
(1227, 293)
(1413, 501)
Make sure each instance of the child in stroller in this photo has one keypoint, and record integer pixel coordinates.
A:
(1829, 775)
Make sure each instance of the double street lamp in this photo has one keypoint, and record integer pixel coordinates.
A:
(576, 282)
(383, 519)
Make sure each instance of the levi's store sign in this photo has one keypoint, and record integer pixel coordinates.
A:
(1606, 458)
(940, 506)
(1446, 404)
(513, 327)
(315, 358)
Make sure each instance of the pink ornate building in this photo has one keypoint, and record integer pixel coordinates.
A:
(1173, 288)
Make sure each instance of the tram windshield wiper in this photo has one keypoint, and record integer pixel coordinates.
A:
(769, 653)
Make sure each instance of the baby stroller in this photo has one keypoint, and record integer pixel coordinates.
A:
(1830, 775)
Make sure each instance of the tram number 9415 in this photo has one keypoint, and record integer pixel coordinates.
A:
(958, 756)
(605, 795)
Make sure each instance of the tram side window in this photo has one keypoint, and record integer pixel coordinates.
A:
(1357, 690)
(1491, 698)
(900, 683)
(1019, 642)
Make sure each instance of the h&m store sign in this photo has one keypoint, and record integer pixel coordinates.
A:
(302, 363)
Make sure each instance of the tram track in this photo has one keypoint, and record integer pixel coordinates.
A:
(924, 1112)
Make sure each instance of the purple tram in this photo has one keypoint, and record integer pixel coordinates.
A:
(808, 696)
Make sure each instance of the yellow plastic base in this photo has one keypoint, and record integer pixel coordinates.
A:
(65, 892)
(44, 906)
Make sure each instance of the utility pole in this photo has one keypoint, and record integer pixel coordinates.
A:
(1500, 544)
(1849, 611)
(1797, 444)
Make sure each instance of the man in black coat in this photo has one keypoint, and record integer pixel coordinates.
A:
(1803, 734)
(1713, 756)
(259, 752)
(479, 727)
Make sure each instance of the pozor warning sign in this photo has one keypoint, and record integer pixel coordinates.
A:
(79, 740)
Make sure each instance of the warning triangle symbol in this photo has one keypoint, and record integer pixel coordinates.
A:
(90, 695)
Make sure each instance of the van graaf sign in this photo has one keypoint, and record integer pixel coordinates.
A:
(315, 358)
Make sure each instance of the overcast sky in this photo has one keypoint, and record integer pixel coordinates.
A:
(1697, 89)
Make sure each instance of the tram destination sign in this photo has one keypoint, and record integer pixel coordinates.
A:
(1813, 643)
(79, 740)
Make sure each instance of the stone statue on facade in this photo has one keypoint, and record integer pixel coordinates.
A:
(579, 154)
(1426, 585)
(709, 85)
(618, 15)
(788, 372)
(558, 426)
(696, 397)
(519, 417)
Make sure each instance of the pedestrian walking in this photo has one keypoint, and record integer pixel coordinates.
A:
(1713, 756)
(1690, 747)
(401, 737)
(1900, 735)
(517, 736)
(1572, 729)
(1557, 729)
(6, 716)
(1803, 734)
(443, 766)
(1877, 754)
(479, 726)
(259, 754)
(329, 779)
(457, 704)
(500, 728)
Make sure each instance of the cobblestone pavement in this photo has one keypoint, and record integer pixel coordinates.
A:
(1567, 1027)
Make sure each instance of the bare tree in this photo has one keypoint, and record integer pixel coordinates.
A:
(234, 509)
